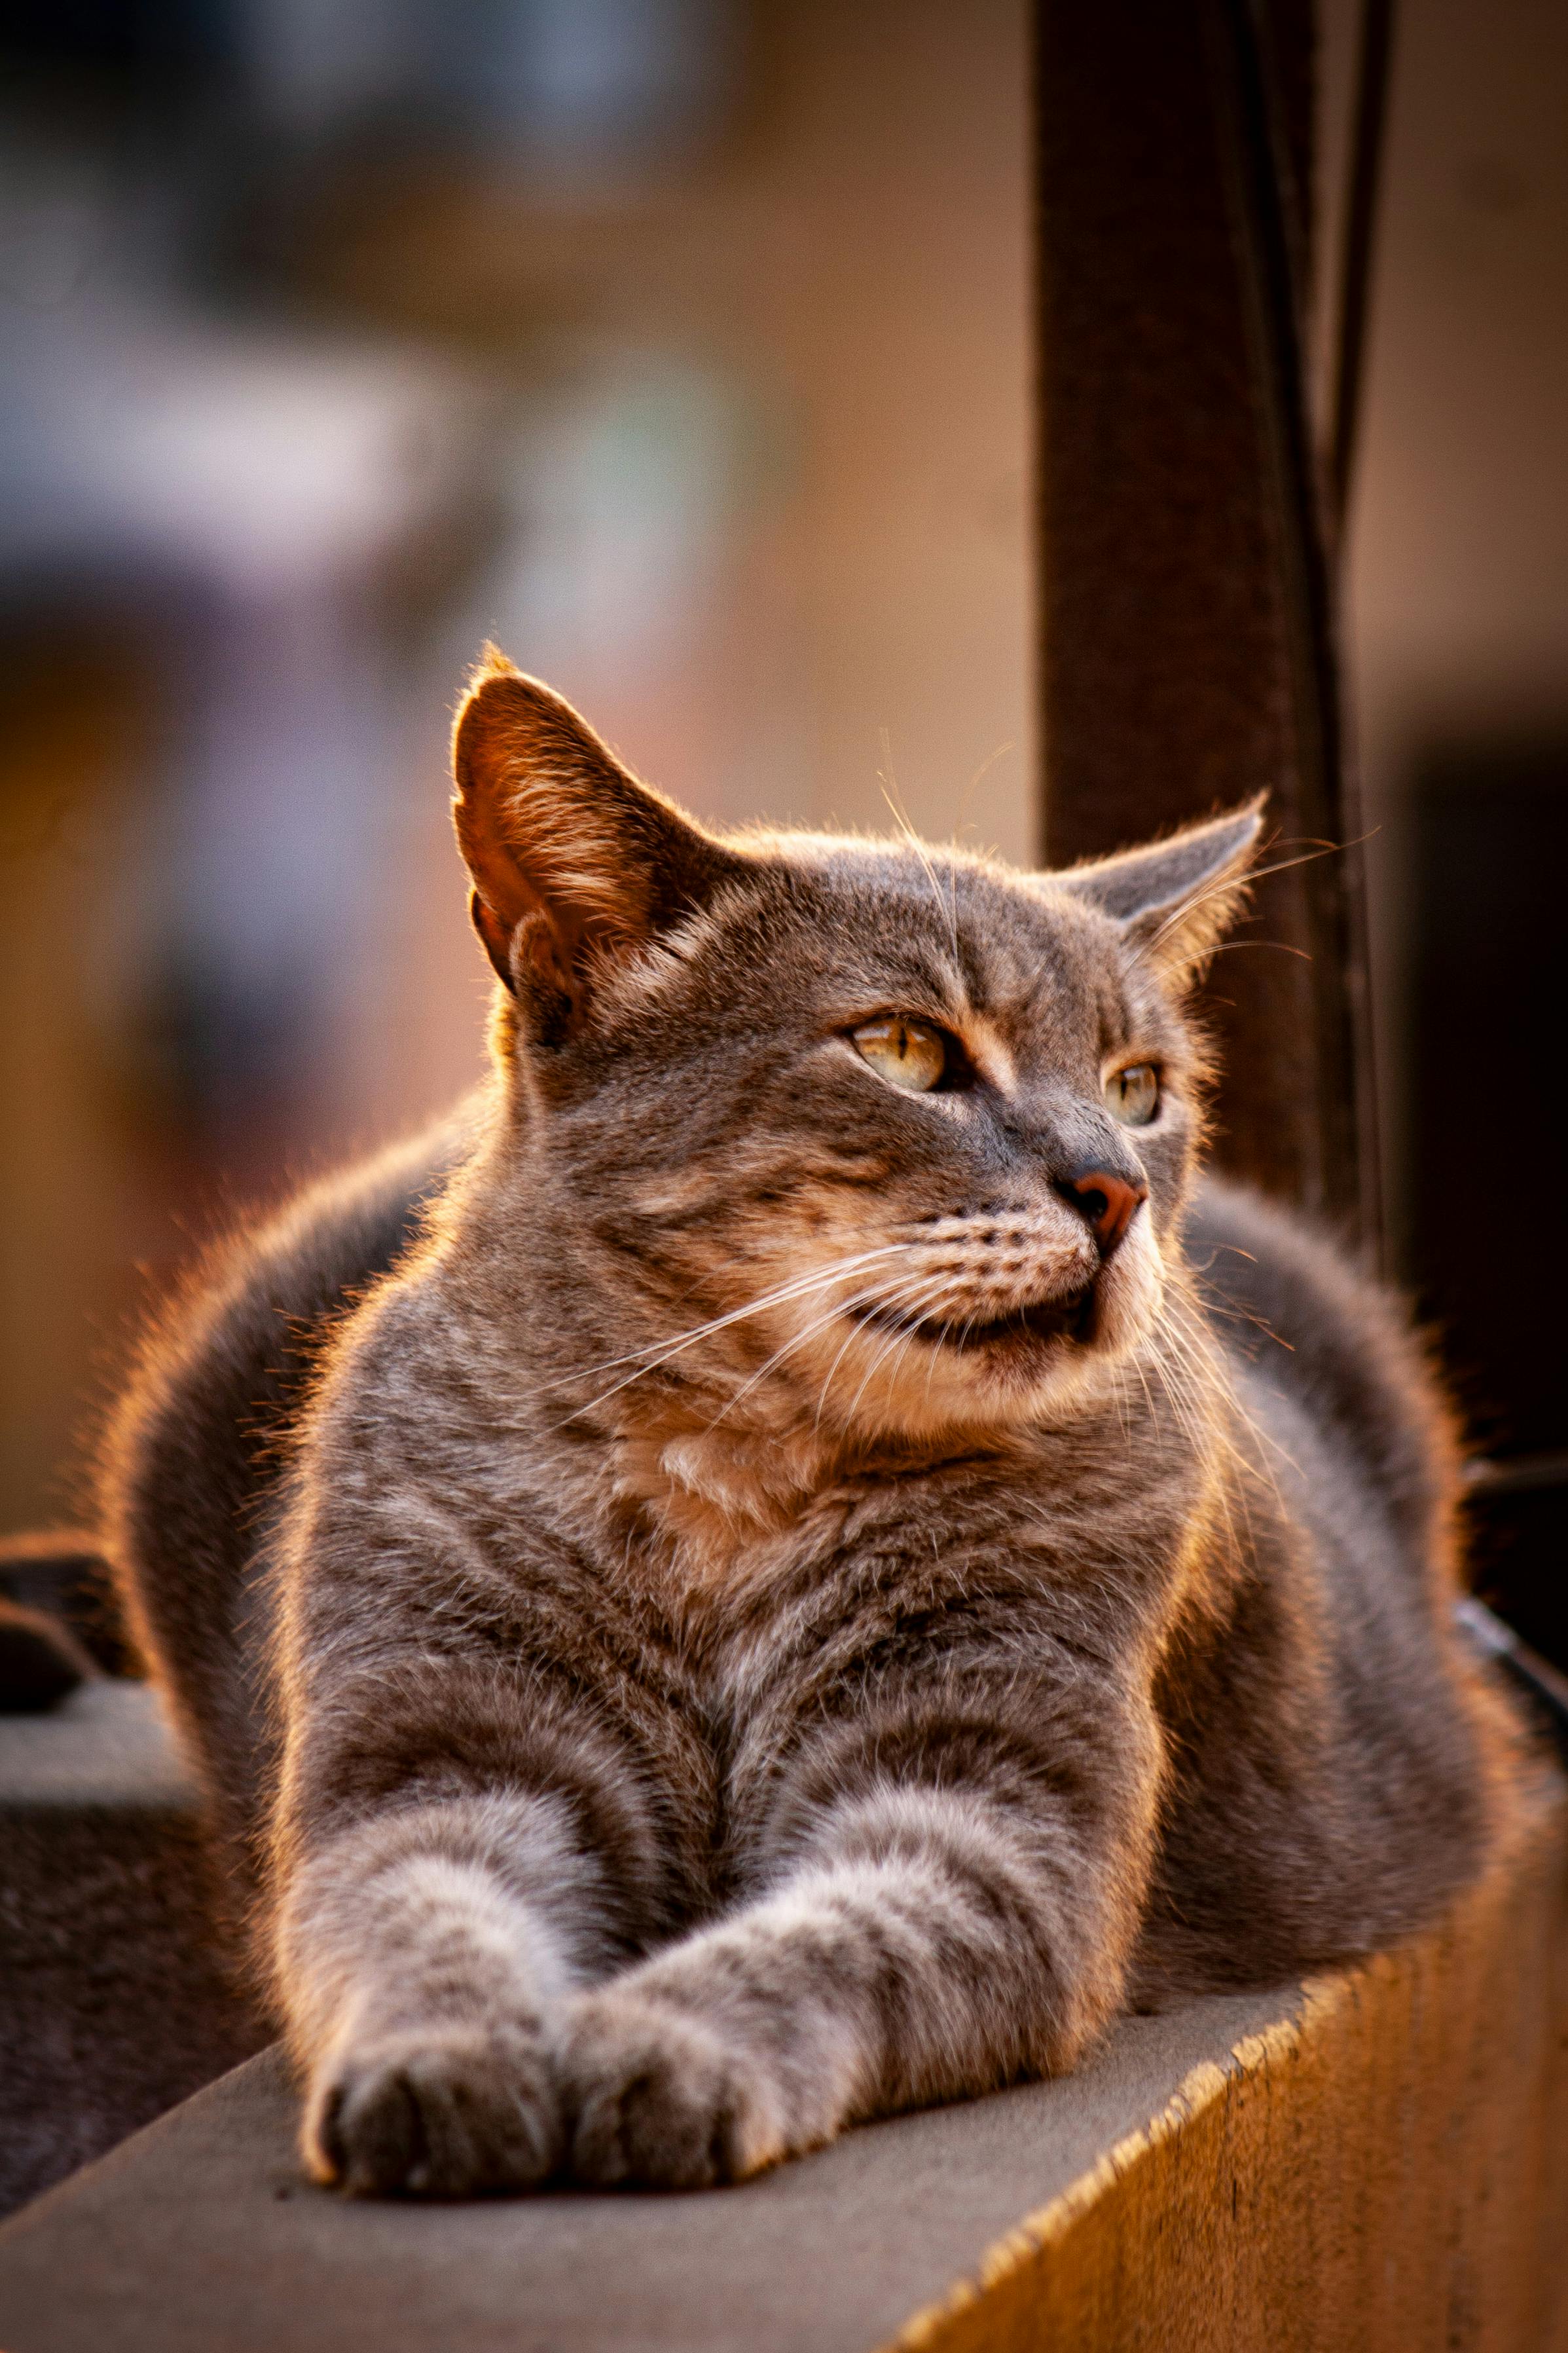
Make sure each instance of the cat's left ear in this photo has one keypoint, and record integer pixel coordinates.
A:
(1177, 898)
(575, 863)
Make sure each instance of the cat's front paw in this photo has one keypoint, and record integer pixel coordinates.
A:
(442, 2112)
(658, 2098)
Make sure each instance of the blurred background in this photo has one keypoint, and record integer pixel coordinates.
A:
(683, 347)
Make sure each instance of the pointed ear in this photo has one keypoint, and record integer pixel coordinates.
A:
(1177, 898)
(575, 864)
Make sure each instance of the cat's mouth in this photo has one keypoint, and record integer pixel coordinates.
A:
(1070, 1318)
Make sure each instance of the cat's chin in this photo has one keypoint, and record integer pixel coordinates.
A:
(1041, 1360)
(1027, 1333)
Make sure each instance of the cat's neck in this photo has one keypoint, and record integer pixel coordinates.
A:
(715, 1499)
(713, 1494)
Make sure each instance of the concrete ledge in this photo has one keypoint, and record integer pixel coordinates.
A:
(114, 2000)
(107, 1745)
(1382, 2168)
(1375, 2161)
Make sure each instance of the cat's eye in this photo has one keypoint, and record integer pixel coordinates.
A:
(1132, 1095)
(914, 1055)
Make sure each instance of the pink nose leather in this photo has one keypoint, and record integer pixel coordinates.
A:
(1107, 1202)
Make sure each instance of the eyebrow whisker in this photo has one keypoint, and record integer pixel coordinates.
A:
(889, 788)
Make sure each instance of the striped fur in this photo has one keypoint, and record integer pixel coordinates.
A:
(678, 1690)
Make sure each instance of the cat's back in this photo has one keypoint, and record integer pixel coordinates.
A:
(196, 1444)
(1340, 1761)
(1312, 1341)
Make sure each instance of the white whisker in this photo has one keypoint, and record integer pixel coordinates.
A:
(800, 1286)
(877, 1294)
(943, 1284)
(922, 1294)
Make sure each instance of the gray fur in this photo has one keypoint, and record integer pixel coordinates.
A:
(655, 1728)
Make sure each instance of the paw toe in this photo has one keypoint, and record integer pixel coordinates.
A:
(653, 2100)
(442, 2116)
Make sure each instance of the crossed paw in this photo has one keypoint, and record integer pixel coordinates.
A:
(614, 2088)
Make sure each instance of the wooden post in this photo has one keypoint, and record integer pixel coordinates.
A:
(1187, 654)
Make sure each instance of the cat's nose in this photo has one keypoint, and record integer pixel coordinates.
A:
(1107, 1200)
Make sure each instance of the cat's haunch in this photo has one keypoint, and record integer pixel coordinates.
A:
(790, 1562)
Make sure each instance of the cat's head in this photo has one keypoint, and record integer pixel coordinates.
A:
(874, 1134)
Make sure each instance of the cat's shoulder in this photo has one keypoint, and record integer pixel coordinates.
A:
(1302, 1319)
(1249, 1253)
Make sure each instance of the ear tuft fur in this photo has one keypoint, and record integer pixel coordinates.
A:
(1176, 900)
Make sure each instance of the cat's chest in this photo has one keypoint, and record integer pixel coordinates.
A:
(738, 1593)
(755, 1615)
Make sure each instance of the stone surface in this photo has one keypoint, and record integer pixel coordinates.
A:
(200, 2232)
(1375, 2161)
(114, 2000)
(108, 1745)
(1381, 2169)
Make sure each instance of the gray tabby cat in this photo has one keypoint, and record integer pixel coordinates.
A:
(801, 1580)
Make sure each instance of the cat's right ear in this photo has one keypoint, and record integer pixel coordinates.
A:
(575, 863)
(1175, 899)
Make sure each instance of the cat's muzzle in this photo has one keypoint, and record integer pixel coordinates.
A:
(1070, 1317)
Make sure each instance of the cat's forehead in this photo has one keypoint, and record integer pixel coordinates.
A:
(946, 921)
